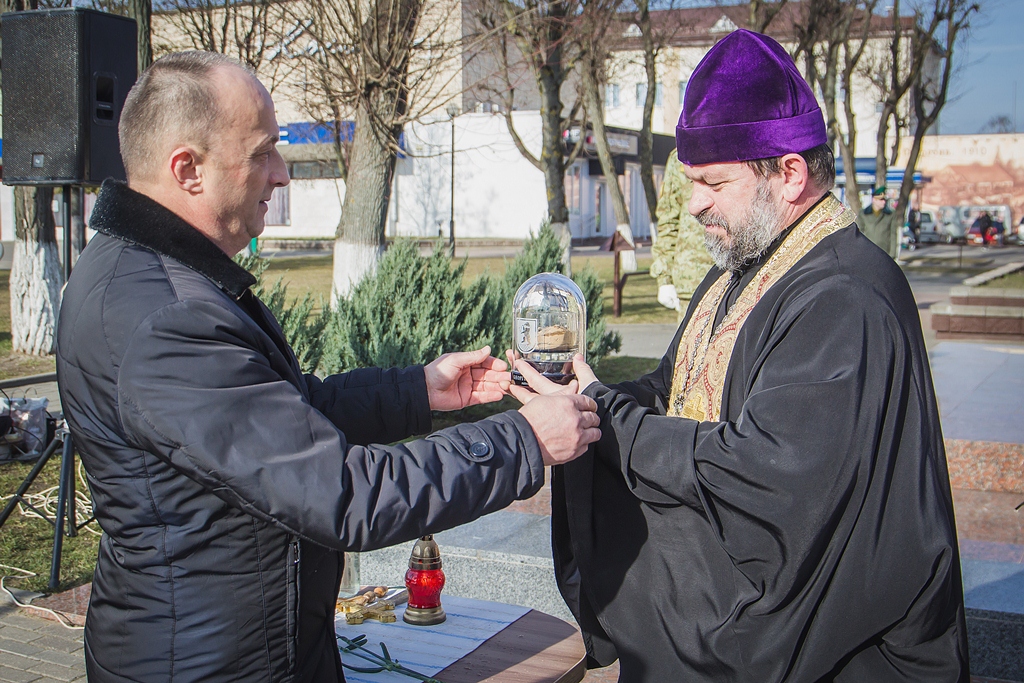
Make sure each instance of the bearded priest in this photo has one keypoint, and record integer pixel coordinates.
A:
(772, 503)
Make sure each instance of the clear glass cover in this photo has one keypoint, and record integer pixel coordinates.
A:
(549, 325)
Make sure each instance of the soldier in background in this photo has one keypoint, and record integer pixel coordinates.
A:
(880, 224)
(680, 258)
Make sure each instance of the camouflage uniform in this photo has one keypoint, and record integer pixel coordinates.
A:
(680, 257)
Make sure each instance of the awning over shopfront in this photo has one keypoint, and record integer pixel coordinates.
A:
(865, 173)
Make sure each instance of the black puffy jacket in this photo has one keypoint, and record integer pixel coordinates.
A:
(226, 482)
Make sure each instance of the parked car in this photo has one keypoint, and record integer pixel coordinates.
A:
(929, 229)
(954, 222)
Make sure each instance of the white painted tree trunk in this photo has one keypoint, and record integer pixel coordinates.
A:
(353, 261)
(36, 281)
(628, 256)
(565, 239)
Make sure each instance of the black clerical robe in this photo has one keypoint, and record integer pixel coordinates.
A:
(806, 536)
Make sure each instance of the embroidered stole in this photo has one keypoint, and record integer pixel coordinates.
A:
(703, 356)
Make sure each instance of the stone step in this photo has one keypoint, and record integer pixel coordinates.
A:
(986, 296)
(1004, 322)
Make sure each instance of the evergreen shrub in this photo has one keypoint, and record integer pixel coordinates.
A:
(410, 311)
(303, 329)
(414, 308)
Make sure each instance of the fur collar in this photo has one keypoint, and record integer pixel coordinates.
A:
(127, 215)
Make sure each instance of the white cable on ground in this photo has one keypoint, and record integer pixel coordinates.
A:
(62, 619)
(46, 500)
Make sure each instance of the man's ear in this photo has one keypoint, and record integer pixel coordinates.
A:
(795, 177)
(187, 169)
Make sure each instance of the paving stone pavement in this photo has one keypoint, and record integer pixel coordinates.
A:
(36, 650)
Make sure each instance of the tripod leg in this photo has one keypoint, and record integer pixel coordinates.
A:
(67, 473)
(28, 482)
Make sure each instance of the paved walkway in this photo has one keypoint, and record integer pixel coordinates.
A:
(34, 650)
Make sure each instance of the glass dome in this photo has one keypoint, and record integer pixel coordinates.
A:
(549, 326)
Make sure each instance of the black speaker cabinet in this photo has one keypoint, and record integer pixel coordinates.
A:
(66, 73)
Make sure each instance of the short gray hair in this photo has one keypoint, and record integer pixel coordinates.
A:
(821, 166)
(173, 95)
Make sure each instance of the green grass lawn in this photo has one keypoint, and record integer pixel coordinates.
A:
(27, 542)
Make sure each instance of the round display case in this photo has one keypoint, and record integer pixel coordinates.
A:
(549, 326)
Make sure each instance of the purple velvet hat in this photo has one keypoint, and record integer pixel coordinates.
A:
(746, 100)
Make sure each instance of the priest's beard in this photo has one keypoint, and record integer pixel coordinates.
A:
(747, 241)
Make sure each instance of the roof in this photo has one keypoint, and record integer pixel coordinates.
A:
(981, 173)
(703, 26)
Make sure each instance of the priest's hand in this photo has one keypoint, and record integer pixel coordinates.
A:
(457, 380)
(539, 385)
(584, 373)
(564, 424)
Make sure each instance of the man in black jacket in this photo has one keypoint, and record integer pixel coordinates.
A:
(227, 483)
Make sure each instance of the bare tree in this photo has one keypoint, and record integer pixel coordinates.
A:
(853, 50)
(999, 123)
(827, 30)
(537, 40)
(949, 20)
(910, 43)
(237, 28)
(762, 13)
(36, 274)
(597, 18)
(645, 151)
(142, 12)
(385, 63)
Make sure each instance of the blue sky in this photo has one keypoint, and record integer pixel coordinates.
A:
(990, 62)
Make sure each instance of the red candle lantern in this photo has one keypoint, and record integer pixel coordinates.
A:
(424, 580)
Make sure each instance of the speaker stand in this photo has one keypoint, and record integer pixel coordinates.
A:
(65, 499)
(66, 218)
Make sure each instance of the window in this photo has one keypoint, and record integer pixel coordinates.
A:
(611, 95)
(682, 91)
(641, 94)
(572, 190)
(279, 208)
(308, 170)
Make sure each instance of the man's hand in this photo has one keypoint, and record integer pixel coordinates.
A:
(457, 380)
(565, 424)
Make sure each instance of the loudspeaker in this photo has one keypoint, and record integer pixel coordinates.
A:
(66, 73)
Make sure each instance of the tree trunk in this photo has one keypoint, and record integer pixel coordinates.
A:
(36, 276)
(359, 241)
(77, 222)
(142, 12)
(592, 98)
(646, 147)
(552, 154)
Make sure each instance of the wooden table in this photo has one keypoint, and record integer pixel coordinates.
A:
(480, 642)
